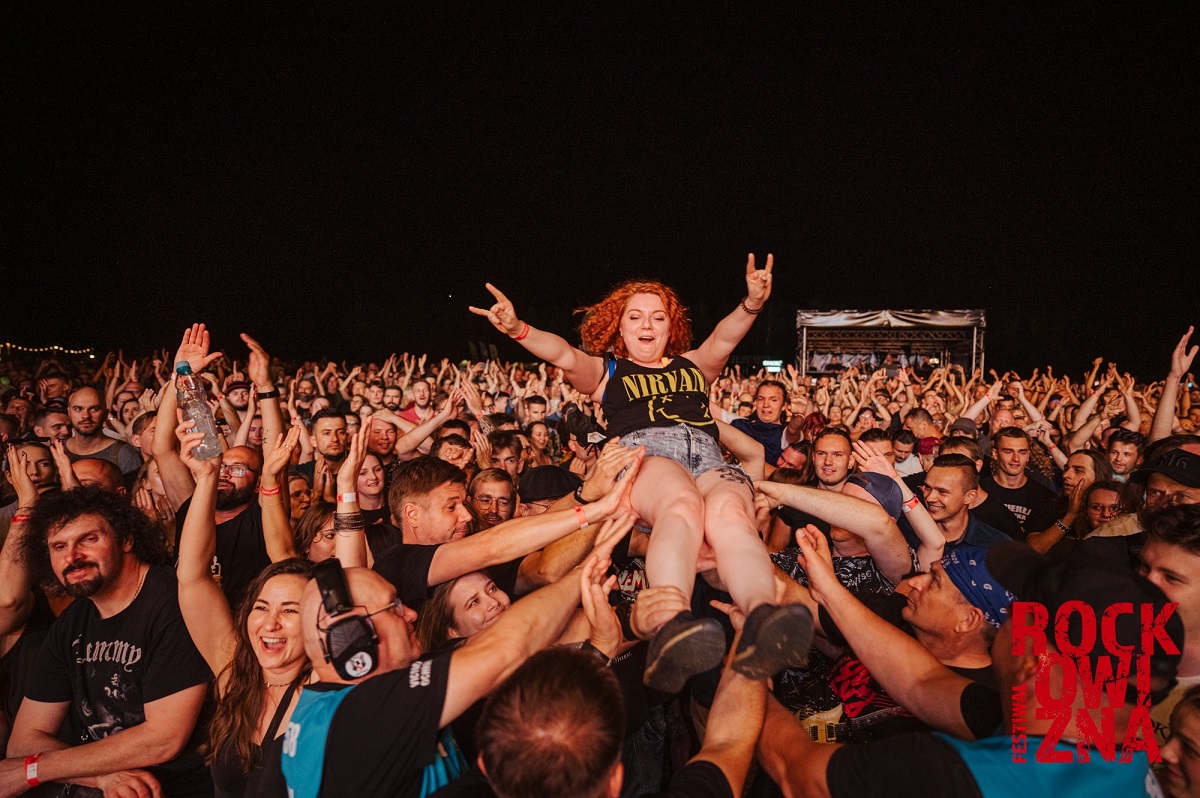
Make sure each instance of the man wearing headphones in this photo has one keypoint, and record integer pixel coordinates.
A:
(370, 725)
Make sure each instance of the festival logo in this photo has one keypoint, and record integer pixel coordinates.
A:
(1084, 672)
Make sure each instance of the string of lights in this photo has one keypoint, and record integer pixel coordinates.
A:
(36, 349)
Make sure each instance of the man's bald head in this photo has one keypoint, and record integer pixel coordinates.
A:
(398, 645)
(94, 473)
(87, 411)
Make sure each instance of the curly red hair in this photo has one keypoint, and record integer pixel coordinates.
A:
(601, 328)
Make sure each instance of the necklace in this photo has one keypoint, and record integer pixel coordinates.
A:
(281, 684)
(140, 582)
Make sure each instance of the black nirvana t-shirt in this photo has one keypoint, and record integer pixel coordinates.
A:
(110, 668)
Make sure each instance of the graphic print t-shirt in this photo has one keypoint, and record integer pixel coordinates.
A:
(110, 668)
(637, 397)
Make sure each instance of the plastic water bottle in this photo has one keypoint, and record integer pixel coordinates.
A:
(193, 401)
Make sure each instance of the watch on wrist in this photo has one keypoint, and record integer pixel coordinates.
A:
(579, 495)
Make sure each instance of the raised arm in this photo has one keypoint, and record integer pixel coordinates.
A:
(864, 518)
(205, 611)
(583, 370)
(525, 628)
(933, 542)
(177, 479)
(905, 669)
(274, 499)
(259, 369)
(350, 538)
(16, 585)
(1164, 414)
(521, 536)
(710, 357)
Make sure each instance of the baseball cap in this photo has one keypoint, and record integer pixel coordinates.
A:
(546, 483)
(966, 426)
(1098, 583)
(237, 385)
(1179, 465)
(966, 566)
(928, 445)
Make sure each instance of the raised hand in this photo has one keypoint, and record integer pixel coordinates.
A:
(1181, 356)
(259, 364)
(870, 459)
(758, 282)
(188, 441)
(194, 348)
(347, 477)
(18, 475)
(281, 453)
(502, 315)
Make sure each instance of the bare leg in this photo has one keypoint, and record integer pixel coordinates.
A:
(742, 559)
(665, 495)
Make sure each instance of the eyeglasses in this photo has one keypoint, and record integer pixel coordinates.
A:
(237, 469)
(396, 606)
(1110, 509)
(488, 501)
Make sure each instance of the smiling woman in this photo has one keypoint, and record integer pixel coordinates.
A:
(258, 655)
(654, 391)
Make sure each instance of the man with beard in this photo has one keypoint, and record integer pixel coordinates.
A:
(491, 495)
(52, 424)
(86, 409)
(237, 393)
(422, 407)
(327, 434)
(118, 666)
(392, 397)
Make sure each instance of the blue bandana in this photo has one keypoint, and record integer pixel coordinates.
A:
(967, 568)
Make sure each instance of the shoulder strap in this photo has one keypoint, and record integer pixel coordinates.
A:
(281, 710)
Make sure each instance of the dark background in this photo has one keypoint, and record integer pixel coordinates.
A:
(342, 178)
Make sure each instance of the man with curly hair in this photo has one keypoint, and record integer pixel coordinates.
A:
(118, 668)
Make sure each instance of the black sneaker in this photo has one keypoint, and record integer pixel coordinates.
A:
(774, 639)
(684, 647)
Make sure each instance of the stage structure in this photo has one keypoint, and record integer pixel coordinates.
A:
(923, 339)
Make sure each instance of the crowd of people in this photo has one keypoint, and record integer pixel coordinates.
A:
(619, 569)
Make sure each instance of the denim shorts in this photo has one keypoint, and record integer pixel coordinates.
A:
(693, 449)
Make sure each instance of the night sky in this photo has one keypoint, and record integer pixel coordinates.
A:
(341, 179)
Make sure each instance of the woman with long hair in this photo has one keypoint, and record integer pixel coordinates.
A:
(257, 654)
(540, 445)
(637, 361)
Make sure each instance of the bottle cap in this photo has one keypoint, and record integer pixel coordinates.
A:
(183, 367)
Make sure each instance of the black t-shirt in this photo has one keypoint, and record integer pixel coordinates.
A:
(241, 549)
(365, 756)
(407, 567)
(108, 669)
(19, 663)
(637, 397)
(1032, 504)
(907, 764)
(993, 513)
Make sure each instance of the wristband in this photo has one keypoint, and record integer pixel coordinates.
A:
(271, 394)
(31, 763)
(524, 332)
(268, 491)
(1052, 447)
(19, 518)
(624, 612)
(911, 504)
(352, 496)
(579, 495)
(1066, 530)
(587, 648)
(296, 419)
(748, 310)
(583, 522)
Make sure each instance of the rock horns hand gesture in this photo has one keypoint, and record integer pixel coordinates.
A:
(758, 282)
(501, 315)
